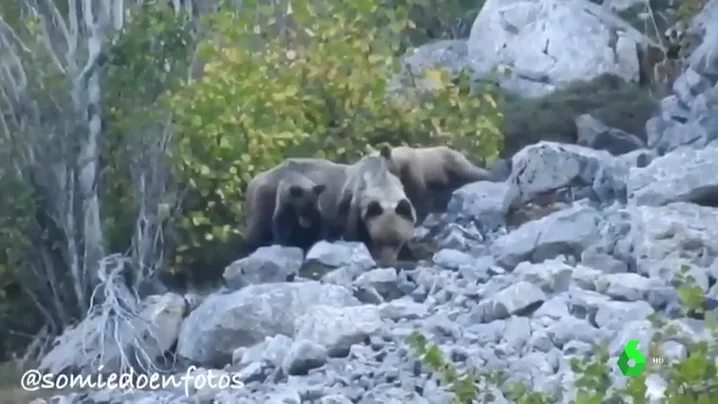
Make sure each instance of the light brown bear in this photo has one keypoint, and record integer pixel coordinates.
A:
(293, 204)
(431, 171)
(377, 210)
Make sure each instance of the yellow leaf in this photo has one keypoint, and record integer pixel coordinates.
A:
(434, 74)
(208, 236)
(204, 170)
(375, 58)
(245, 158)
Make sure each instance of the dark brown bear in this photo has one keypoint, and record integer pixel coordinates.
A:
(293, 203)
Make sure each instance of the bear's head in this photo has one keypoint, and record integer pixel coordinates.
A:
(389, 223)
(304, 201)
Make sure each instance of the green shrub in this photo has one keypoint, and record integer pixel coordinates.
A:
(689, 380)
(149, 57)
(609, 98)
(318, 90)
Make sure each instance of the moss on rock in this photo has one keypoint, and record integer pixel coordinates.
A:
(608, 98)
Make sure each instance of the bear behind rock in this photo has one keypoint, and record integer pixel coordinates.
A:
(292, 204)
(431, 172)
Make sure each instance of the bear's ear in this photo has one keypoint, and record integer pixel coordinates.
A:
(373, 209)
(385, 152)
(405, 209)
(318, 189)
(295, 191)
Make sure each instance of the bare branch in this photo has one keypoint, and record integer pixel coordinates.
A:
(118, 317)
(8, 29)
(48, 44)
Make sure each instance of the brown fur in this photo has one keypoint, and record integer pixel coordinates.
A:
(425, 170)
(377, 210)
(293, 203)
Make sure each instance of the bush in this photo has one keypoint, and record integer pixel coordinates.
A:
(316, 89)
(148, 58)
(689, 380)
(608, 98)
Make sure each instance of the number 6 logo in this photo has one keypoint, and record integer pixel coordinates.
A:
(631, 352)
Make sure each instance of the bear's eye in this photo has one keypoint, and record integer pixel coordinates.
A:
(405, 209)
(373, 209)
(296, 191)
(318, 189)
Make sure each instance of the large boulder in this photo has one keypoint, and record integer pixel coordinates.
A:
(89, 347)
(685, 175)
(704, 59)
(225, 322)
(544, 45)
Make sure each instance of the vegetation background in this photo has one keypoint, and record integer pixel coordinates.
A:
(128, 138)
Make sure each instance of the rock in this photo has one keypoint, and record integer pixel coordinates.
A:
(517, 333)
(665, 238)
(685, 175)
(614, 315)
(343, 276)
(694, 125)
(549, 166)
(554, 308)
(340, 254)
(514, 300)
(564, 232)
(569, 329)
(224, 322)
(392, 395)
(626, 287)
(594, 257)
(446, 54)
(596, 135)
(403, 309)
(486, 203)
(457, 236)
(304, 356)
(452, 259)
(689, 85)
(545, 44)
(272, 350)
(156, 330)
(704, 59)
(551, 275)
(619, 5)
(335, 399)
(385, 281)
(267, 264)
(337, 328)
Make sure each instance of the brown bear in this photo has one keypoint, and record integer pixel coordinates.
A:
(430, 172)
(293, 204)
(377, 210)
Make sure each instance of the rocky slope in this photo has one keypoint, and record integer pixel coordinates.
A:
(577, 247)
